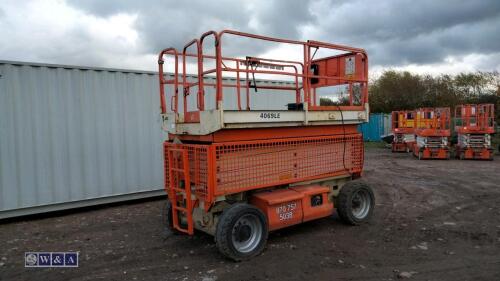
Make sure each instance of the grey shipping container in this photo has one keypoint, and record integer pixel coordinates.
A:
(74, 136)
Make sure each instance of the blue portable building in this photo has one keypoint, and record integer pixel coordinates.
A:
(379, 125)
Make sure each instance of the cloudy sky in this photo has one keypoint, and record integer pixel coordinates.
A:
(426, 36)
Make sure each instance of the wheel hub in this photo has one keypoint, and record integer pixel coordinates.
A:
(246, 233)
(243, 233)
(360, 204)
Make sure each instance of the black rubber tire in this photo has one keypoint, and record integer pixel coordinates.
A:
(167, 219)
(491, 158)
(223, 234)
(461, 155)
(344, 202)
(166, 216)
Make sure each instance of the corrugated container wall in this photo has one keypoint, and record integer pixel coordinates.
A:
(379, 125)
(76, 136)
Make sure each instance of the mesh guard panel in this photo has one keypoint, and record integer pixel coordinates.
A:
(248, 165)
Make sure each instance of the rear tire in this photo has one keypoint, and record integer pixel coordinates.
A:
(461, 156)
(355, 203)
(166, 217)
(241, 232)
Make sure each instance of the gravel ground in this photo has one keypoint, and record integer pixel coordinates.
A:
(434, 220)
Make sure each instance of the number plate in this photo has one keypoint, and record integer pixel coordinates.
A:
(286, 211)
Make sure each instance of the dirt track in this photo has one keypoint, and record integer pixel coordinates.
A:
(438, 220)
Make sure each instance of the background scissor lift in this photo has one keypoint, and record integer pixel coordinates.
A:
(474, 125)
(432, 132)
(403, 123)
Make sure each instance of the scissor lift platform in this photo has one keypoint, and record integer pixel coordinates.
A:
(211, 121)
(237, 171)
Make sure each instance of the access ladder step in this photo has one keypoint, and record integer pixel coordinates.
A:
(186, 190)
(182, 209)
(179, 189)
(178, 170)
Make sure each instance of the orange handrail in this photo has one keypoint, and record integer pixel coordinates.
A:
(302, 80)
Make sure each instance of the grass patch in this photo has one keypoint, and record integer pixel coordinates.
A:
(375, 144)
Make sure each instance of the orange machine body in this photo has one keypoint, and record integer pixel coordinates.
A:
(432, 133)
(207, 171)
(403, 129)
(218, 150)
(474, 124)
(285, 207)
(224, 168)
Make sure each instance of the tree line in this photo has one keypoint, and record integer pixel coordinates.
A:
(399, 90)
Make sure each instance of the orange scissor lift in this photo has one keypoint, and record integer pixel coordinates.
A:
(236, 170)
(474, 124)
(432, 131)
(403, 130)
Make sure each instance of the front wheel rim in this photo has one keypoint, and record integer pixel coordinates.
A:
(361, 204)
(246, 233)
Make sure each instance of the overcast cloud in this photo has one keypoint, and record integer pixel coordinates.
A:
(423, 36)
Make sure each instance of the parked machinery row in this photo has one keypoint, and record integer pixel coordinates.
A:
(426, 132)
